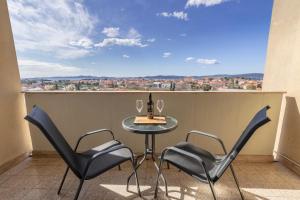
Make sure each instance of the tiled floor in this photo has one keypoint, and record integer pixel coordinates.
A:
(39, 178)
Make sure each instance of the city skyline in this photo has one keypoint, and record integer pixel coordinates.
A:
(140, 38)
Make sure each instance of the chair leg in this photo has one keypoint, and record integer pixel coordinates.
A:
(136, 178)
(209, 182)
(63, 180)
(236, 182)
(137, 165)
(166, 185)
(79, 189)
(212, 189)
(159, 174)
(168, 165)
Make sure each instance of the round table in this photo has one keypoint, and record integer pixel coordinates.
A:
(148, 130)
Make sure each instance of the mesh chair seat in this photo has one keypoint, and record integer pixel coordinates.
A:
(107, 161)
(191, 166)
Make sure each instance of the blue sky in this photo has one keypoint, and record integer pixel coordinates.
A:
(140, 37)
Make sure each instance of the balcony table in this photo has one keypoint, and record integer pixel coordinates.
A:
(148, 130)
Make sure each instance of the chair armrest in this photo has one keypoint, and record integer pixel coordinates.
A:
(101, 153)
(92, 133)
(214, 137)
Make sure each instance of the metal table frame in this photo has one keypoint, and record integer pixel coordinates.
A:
(149, 149)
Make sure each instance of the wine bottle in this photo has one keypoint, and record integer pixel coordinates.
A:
(150, 107)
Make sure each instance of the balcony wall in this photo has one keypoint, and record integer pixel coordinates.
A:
(15, 140)
(282, 73)
(223, 113)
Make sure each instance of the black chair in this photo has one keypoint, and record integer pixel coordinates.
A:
(203, 165)
(88, 164)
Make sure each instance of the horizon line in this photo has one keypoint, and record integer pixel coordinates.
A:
(104, 76)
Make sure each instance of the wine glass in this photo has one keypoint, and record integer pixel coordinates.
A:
(139, 105)
(160, 105)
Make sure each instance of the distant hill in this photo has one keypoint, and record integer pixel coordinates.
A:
(253, 76)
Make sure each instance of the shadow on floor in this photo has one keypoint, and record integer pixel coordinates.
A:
(40, 178)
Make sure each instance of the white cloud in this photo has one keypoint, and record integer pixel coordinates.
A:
(167, 54)
(202, 61)
(183, 35)
(121, 42)
(181, 15)
(59, 27)
(132, 39)
(197, 3)
(188, 59)
(72, 53)
(207, 61)
(83, 42)
(35, 68)
(151, 40)
(133, 34)
(125, 56)
(111, 31)
(176, 14)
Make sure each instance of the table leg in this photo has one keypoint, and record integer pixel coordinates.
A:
(155, 164)
(153, 150)
(147, 151)
(153, 147)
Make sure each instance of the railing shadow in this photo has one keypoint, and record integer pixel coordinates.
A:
(290, 127)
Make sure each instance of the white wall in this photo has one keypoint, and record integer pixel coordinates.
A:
(283, 73)
(14, 132)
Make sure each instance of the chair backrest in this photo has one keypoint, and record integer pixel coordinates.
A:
(40, 118)
(257, 121)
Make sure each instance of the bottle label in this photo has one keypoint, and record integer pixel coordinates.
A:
(150, 111)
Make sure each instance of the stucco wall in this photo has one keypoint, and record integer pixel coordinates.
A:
(14, 132)
(282, 72)
(225, 114)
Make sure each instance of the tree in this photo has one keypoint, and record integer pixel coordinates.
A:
(206, 87)
(77, 85)
(194, 86)
(172, 86)
(251, 87)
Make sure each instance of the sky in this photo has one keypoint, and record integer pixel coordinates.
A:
(140, 37)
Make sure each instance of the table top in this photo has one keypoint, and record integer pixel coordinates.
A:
(129, 125)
